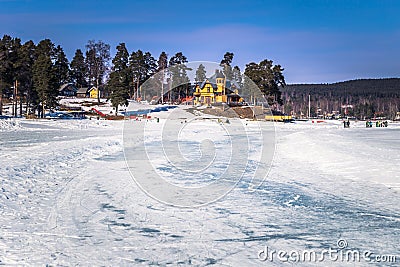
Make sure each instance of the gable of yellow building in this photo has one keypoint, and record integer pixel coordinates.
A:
(93, 92)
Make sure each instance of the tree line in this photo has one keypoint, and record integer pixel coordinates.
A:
(32, 74)
(362, 98)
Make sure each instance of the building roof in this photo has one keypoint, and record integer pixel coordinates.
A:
(63, 86)
(82, 91)
(207, 81)
(232, 84)
(66, 85)
(217, 74)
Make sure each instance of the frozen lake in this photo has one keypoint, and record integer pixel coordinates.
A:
(67, 198)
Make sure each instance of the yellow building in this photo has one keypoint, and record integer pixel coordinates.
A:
(216, 89)
(93, 92)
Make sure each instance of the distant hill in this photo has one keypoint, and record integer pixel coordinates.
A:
(369, 97)
(389, 86)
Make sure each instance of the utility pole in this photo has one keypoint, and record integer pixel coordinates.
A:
(309, 106)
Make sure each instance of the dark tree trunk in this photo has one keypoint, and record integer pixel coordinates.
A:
(98, 91)
(27, 105)
(20, 105)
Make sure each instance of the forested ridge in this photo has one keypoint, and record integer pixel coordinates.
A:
(363, 98)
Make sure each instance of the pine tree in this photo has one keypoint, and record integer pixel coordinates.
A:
(121, 59)
(120, 77)
(162, 66)
(137, 68)
(6, 67)
(162, 61)
(226, 65)
(278, 81)
(200, 73)
(61, 67)
(268, 78)
(142, 66)
(9, 68)
(16, 73)
(180, 81)
(3, 71)
(237, 76)
(44, 79)
(151, 64)
(26, 59)
(46, 47)
(250, 89)
(78, 69)
(228, 58)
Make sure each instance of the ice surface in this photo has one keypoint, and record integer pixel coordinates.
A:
(67, 197)
(9, 124)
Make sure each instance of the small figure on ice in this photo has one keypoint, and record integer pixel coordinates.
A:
(346, 124)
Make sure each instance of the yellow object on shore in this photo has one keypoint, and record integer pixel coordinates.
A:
(280, 118)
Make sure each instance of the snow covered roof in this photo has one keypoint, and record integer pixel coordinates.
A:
(217, 74)
(66, 85)
(207, 81)
(82, 91)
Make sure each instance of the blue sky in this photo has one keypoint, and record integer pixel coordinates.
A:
(315, 41)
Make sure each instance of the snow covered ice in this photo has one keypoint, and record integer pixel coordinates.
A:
(68, 198)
